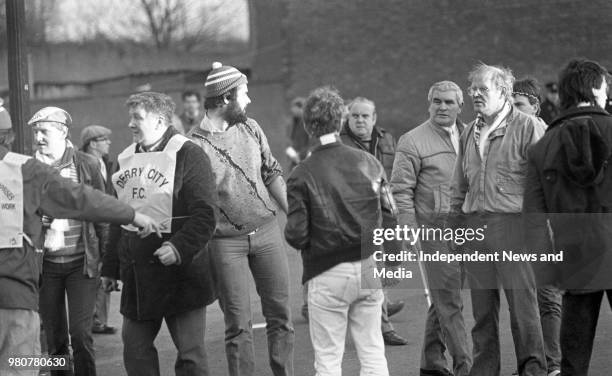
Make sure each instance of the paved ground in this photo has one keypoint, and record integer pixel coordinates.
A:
(403, 360)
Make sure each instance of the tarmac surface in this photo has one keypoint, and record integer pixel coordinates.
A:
(402, 360)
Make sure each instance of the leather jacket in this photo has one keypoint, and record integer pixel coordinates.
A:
(334, 198)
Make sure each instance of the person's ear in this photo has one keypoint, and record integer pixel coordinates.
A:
(374, 118)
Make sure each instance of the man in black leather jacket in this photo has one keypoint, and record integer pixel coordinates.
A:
(335, 196)
(360, 131)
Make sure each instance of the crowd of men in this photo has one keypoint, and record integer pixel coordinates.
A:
(188, 215)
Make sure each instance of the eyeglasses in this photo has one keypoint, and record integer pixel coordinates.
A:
(472, 90)
(101, 139)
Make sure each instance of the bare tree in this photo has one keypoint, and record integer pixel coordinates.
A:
(164, 18)
(38, 16)
(183, 24)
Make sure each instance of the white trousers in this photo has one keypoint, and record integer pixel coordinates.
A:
(347, 295)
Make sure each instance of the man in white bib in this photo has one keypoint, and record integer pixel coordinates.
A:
(28, 190)
(170, 178)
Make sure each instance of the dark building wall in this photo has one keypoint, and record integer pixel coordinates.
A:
(268, 81)
(393, 50)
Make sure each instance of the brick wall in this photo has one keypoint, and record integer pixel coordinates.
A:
(393, 50)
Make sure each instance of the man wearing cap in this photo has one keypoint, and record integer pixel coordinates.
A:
(165, 174)
(31, 189)
(72, 248)
(95, 141)
(248, 237)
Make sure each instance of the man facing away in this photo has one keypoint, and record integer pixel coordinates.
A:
(569, 185)
(164, 278)
(487, 193)
(423, 168)
(334, 195)
(33, 189)
(248, 239)
(95, 141)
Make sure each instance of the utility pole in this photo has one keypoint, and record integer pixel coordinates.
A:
(19, 90)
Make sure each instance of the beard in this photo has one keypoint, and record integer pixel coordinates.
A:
(234, 114)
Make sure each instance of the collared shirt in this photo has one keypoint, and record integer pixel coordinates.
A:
(482, 130)
(494, 182)
(453, 132)
(102, 168)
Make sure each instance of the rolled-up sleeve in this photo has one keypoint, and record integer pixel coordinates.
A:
(406, 168)
(270, 168)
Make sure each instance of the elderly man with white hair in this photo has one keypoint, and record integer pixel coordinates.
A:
(487, 194)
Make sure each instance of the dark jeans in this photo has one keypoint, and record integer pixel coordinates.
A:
(578, 325)
(59, 280)
(187, 332)
(549, 302)
(504, 233)
(261, 253)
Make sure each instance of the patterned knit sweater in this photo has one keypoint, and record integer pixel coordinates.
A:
(243, 166)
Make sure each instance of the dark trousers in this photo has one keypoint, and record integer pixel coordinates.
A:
(504, 233)
(187, 332)
(578, 325)
(59, 281)
(549, 302)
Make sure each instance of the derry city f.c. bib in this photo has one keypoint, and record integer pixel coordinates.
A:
(11, 201)
(145, 181)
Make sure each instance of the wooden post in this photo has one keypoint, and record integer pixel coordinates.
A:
(19, 96)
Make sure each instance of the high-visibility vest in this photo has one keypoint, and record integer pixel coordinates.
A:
(11, 200)
(145, 181)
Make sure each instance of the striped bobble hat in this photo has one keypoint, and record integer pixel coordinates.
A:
(221, 79)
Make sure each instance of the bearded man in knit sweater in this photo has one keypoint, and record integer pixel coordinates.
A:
(248, 238)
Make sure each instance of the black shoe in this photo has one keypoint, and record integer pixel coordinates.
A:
(435, 372)
(394, 307)
(103, 329)
(393, 339)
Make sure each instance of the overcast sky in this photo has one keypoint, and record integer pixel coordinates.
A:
(75, 20)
